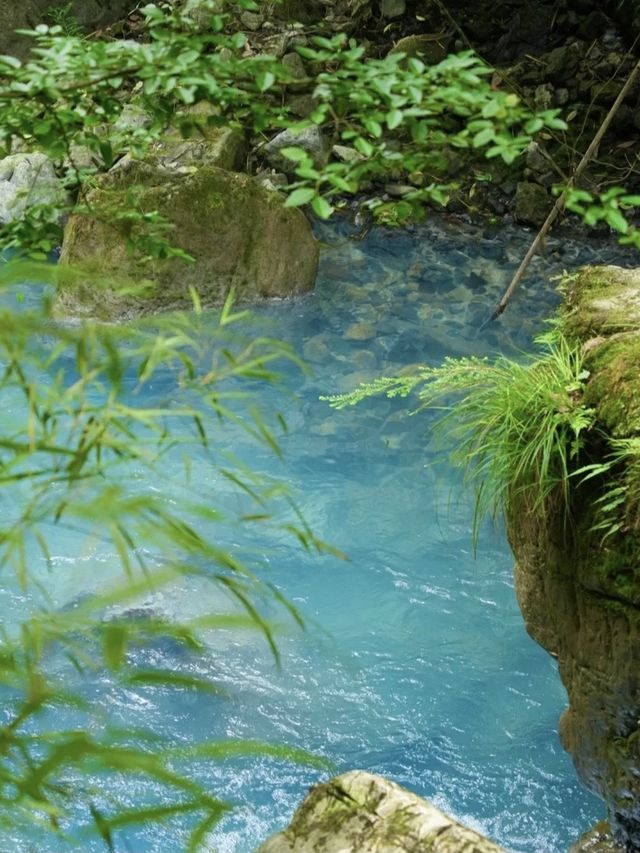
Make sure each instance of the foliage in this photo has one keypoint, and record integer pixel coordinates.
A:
(609, 207)
(82, 437)
(516, 427)
(62, 16)
(68, 97)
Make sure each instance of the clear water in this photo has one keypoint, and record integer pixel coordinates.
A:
(415, 664)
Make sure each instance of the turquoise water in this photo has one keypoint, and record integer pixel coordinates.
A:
(415, 663)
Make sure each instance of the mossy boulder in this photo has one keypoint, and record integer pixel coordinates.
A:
(240, 235)
(578, 580)
(601, 300)
(362, 813)
(614, 387)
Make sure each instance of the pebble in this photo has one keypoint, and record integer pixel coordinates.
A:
(360, 332)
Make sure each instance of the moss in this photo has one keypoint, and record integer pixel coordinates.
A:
(601, 301)
(614, 387)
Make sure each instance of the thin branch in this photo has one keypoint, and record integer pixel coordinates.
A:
(561, 200)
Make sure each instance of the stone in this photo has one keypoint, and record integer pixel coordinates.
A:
(272, 181)
(346, 153)
(296, 69)
(251, 21)
(532, 203)
(599, 839)
(301, 105)
(310, 140)
(358, 812)
(360, 332)
(90, 15)
(133, 116)
(222, 147)
(240, 235)
(431, 48)
(392, 8)
(579, 590)
(25, 180)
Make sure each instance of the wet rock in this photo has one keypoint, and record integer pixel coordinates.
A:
(599, 839)
(25, 180)
(240, 235)
(532, 203)
(360, 332)
(310, 140)
(316, 350)
(361, 813)
(580, 594)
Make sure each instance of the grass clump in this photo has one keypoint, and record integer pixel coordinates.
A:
(514, 427)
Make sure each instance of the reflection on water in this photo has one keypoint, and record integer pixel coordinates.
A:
(415, 663)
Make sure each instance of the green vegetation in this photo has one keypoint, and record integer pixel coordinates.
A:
(67, 99)
(523, 432)
(76, 393)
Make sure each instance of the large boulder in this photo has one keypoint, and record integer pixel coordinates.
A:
(240, 235)
(362, 813)
(89, 14)
(577, 581)
(26, 180)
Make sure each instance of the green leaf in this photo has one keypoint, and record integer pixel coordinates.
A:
(394, 119)
(302, 195)
(265, 80)
(483, 137)
(321, 207)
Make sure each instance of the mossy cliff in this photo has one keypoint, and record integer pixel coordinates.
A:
(578, 579)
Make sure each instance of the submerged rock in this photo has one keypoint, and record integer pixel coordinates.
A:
(240, 235)
(362, 813)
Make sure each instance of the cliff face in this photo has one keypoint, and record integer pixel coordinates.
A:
(578, 581)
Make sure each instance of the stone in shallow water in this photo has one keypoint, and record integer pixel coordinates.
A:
(360, 332)
(362, 813)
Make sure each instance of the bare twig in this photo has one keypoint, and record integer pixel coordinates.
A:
(560, 201)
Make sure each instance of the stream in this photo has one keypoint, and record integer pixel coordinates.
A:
(415, 663)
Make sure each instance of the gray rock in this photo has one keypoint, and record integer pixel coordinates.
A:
(240, 235)
(25, 180)
(362, 813)
(431, 48)
(392, 8)
(251, 21)
(310, 140)
(532, 203)
(296, 68)
(90, 14)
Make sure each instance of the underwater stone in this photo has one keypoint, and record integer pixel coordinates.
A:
(362, 813)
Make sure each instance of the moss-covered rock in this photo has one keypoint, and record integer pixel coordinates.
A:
(240, 235)
(602, 300)
(362, 813)
(578, 581)
(614, 387)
